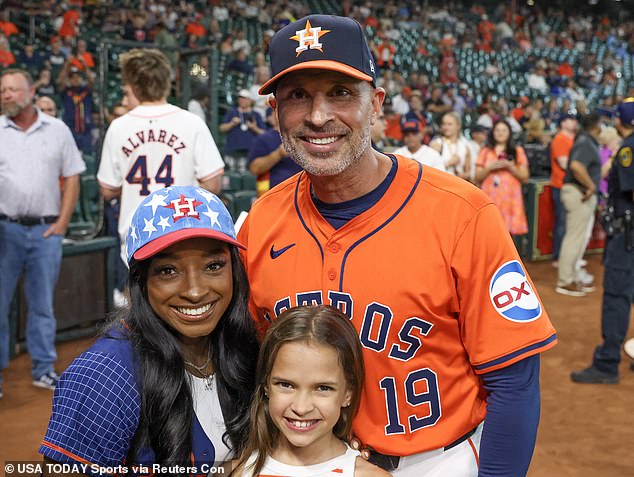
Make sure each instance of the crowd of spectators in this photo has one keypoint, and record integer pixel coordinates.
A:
(242, 30)
(568, 62)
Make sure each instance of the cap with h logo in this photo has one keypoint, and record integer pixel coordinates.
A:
(324, 42)
(174, 214)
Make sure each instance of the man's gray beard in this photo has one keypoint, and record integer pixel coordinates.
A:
(11, 110)
(299, 156)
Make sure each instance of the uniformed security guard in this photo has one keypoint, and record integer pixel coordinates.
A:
(618, 275)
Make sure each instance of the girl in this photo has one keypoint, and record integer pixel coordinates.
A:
(170, 380)
(308, 388)
(501, 169)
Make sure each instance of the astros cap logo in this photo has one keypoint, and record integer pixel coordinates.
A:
(184, 207)
(174, 214)
(512, 295)
(325, 42)
(308, 38)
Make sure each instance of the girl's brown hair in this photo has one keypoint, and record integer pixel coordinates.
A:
(322, 325)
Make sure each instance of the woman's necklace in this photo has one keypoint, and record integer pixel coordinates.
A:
(208, 377)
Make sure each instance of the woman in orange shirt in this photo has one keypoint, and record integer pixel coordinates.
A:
(501, 169)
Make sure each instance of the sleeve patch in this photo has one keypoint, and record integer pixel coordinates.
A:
(512, 295)
(625, 156)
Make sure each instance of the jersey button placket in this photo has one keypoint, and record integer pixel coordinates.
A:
(332, 260)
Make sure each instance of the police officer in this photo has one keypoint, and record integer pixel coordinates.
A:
(618, 275)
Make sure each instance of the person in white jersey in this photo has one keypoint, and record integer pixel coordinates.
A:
(156, 144)
(414, 147)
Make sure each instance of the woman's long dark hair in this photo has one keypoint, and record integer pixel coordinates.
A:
(511, 147)
(167, 408)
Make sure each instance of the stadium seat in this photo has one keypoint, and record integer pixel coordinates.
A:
(248, 181)
(243, 201)
(91, 163)
(231, 181)
(90, 198)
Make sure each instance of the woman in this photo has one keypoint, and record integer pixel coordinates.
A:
(453, 147)
(501, 169)
(171, 379)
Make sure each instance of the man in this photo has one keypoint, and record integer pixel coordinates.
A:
(78, 104)
(559, 152)
(46, 105)
(419, 260)
(242, 125)
(36, 150)
(415, 149)
(155, 144)
(240, 63)
(618, 274)
(56, 58)
(417, 113)
(579, 199)
(436, 105)
(30, 59)
(83, 59)
(268, 156)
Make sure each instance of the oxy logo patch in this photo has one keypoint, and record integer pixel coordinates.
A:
(512, 295)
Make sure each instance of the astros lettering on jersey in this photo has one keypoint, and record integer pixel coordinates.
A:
(155, 146)
(435, 293)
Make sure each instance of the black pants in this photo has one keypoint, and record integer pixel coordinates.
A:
(618, 290)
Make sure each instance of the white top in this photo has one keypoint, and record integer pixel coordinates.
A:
(448, 149)
(31, 163)
(194, 107)
(425, 155)
(152, 147)
(340, 466)
(209, 413)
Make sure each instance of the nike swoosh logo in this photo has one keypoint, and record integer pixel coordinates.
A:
(276, 253)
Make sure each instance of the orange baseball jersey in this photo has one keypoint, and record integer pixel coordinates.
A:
(559, 147)
(430, 278)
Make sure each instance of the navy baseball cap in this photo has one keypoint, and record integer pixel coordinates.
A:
(324, 42)
(625, 111)
(565, 116)
(479, 128)
(174, 214)
(410, 126)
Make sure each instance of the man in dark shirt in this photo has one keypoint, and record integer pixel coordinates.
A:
(30, 59)
(579, 198)
(78, 105)
(267, 155)
(618, 274)
(56, 58)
